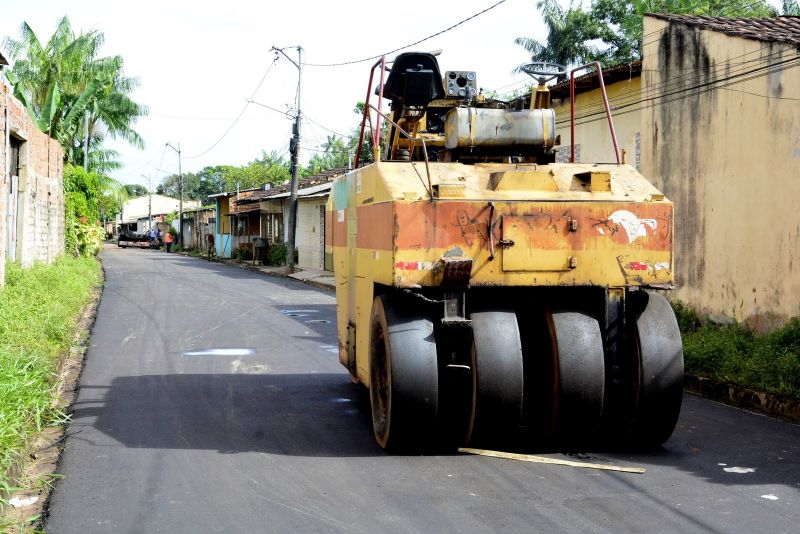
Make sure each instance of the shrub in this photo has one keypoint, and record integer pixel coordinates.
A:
(276, 254)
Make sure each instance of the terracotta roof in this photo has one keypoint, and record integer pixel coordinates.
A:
(785, 29)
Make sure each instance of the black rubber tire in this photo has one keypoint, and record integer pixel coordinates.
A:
(578, 376)
(497, 375)
(404, 378)
(658, 349)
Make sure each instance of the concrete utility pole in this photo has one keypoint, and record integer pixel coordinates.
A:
(149, 201)
(180, 189)
(294, 145)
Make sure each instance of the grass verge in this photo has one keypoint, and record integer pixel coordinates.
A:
(733, 354)
(39, 309)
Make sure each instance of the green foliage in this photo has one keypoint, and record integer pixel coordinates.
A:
(89, 239)
(88, 197)
(610, 31)
(72, 94)
(276, 254)
(38, 311)
(269, 168)
(135, 190)
(336, 155)
(734, 354)
(244, 254)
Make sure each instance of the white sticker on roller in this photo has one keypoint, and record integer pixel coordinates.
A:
(633, 225)
(340, 216)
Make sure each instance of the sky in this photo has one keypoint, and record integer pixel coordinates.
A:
(199, 63)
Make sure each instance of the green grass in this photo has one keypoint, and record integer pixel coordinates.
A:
(736, 355)
(39, 308)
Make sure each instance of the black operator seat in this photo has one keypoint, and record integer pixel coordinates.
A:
(414, 80)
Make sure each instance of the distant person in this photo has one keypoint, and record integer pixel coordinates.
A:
(168, 239)
(210, 245)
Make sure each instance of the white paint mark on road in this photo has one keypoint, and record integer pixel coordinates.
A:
(740, 470)
(129, 337)
(333, 349)
(722, 465)
(237, 366)
(220, 352)
(21, 502)
(343, 399)
(770, 497)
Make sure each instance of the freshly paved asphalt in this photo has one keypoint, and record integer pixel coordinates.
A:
(212, 401)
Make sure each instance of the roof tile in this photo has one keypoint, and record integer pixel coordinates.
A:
(784, 29)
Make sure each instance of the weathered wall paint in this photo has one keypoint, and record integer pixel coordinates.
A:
(729, 158)
(591, 126)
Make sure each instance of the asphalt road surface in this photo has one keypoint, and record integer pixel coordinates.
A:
(212, 401)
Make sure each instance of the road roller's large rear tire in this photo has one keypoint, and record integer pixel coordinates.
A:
(578, 387)
(658, 350)
(497, 376)
(404, 378)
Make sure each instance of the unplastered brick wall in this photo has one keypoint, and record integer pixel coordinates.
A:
(38, 205)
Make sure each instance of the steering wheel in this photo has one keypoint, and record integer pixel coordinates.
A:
(544, 71)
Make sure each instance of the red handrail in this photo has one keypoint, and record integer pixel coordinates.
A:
(376, 132)
(599, 73)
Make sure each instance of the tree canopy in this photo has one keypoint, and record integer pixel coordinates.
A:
(610, 31)
(270, 168)
(71, 92)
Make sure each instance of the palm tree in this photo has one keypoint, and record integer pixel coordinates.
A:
(569, 30)
(74, 96)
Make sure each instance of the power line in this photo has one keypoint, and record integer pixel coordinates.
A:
(305, 116)
(692, 91)
(457, 24)
(666, 84)
(239, 116)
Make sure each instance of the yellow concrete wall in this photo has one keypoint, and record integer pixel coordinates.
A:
(729, 158)
(591, 126)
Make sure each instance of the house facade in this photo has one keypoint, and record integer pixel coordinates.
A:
(31, 187)
(246, 216)
(593, 141)
(139, 213)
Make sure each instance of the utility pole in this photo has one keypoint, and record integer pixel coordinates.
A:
(149, 201)
(294, 145)
(180, 189)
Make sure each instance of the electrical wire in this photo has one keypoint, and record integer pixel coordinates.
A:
(457, 24)
(309, 119)
(693, 91)
(239, 116)
(670, 89)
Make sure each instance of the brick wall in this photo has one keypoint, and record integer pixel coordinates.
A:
(39, 223)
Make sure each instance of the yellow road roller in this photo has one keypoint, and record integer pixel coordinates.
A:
(486, 292)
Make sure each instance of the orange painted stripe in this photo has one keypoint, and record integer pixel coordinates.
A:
(375, 230)
(445, 224)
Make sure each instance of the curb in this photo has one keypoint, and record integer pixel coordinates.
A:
(255, 269)
(780, 406)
